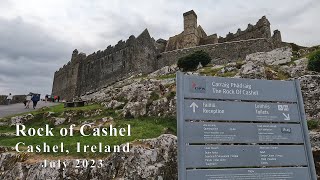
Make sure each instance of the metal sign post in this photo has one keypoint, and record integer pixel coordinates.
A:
(244, 129)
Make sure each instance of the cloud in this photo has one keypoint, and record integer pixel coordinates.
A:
(38, 37)
(28, 56)
(22, 39)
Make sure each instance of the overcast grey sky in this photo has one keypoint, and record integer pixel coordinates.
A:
(38, 36)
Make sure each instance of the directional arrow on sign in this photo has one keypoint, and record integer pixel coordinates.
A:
(287, 117)
(194, 106)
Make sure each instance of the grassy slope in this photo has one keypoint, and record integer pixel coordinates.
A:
(141, 128)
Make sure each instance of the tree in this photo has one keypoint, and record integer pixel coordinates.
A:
(314, 61)
(191, 61)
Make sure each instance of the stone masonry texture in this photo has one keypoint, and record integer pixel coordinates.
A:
(86, 74)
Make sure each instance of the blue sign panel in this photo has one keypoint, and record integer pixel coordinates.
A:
(241, 129)
(240, 111)
(234, 89)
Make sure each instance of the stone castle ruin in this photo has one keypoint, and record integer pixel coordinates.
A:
(85, 74)
(194, 35)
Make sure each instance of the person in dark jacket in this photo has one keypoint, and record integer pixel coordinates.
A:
(35, 98)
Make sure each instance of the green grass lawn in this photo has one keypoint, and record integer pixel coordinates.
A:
(209, 71)
(56, 109)
(141, 128)
(167, 76)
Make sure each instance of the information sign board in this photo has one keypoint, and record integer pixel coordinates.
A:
(231, 128)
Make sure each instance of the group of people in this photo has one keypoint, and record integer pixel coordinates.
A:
(52, 98)
(35, 98)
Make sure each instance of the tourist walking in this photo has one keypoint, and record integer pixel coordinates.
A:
(28, 99)
(9, 99)
(35, 98)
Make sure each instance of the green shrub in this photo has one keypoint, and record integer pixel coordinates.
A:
(171, 95)
(202, 57)
(187, 64)
(154, 96)
(239, 64)
(313, 124)
(167, 76)
(190, 62)
(314, 61)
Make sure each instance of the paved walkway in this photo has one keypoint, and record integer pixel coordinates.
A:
(12, 109)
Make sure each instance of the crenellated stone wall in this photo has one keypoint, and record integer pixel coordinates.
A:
(115, 63)
(65, 80)
(84, 74)
(260, 30)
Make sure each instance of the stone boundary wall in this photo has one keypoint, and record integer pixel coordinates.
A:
(220, 53)
(16, 99)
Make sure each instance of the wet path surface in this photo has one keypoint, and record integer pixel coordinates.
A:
(7, 110)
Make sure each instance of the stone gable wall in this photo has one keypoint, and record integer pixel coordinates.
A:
(260, 30)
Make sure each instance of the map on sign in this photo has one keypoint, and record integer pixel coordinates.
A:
(241, 129)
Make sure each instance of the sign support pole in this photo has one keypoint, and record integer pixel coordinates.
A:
(305, 130)
(180, 119)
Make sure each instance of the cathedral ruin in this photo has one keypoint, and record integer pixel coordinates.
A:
(194, 35)
(86, 74)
